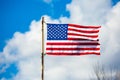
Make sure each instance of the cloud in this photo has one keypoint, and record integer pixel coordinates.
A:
(50, 1)
(47, 1)
(25, 48)
(88, 12)
(113, 27)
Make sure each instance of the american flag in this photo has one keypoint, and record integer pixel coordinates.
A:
(72, 39)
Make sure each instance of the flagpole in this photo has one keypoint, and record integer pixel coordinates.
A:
(42, 57)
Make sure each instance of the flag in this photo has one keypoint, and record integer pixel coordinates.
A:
(72, 39)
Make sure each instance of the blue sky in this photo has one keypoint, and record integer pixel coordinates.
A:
(17, 15)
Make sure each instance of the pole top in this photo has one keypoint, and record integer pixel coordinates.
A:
(43, 19)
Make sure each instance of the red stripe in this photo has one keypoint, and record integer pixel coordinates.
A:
(73, 54)
(84, 31)
(80, 39)
(80, 26)
(72, 48)
(65, 43)
(91, 36)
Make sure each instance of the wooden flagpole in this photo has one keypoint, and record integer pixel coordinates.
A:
(42, 57)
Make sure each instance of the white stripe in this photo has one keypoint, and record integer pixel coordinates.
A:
(82, 33)
(72, 51)
(70, 36)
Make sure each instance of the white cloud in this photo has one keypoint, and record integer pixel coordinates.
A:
(88, 12)
(50, 1)
(47, 1)
(113, 28)
(25, 48)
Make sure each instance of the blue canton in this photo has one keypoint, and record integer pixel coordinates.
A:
(57, 31)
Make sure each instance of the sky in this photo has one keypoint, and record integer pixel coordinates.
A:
(20, 37)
